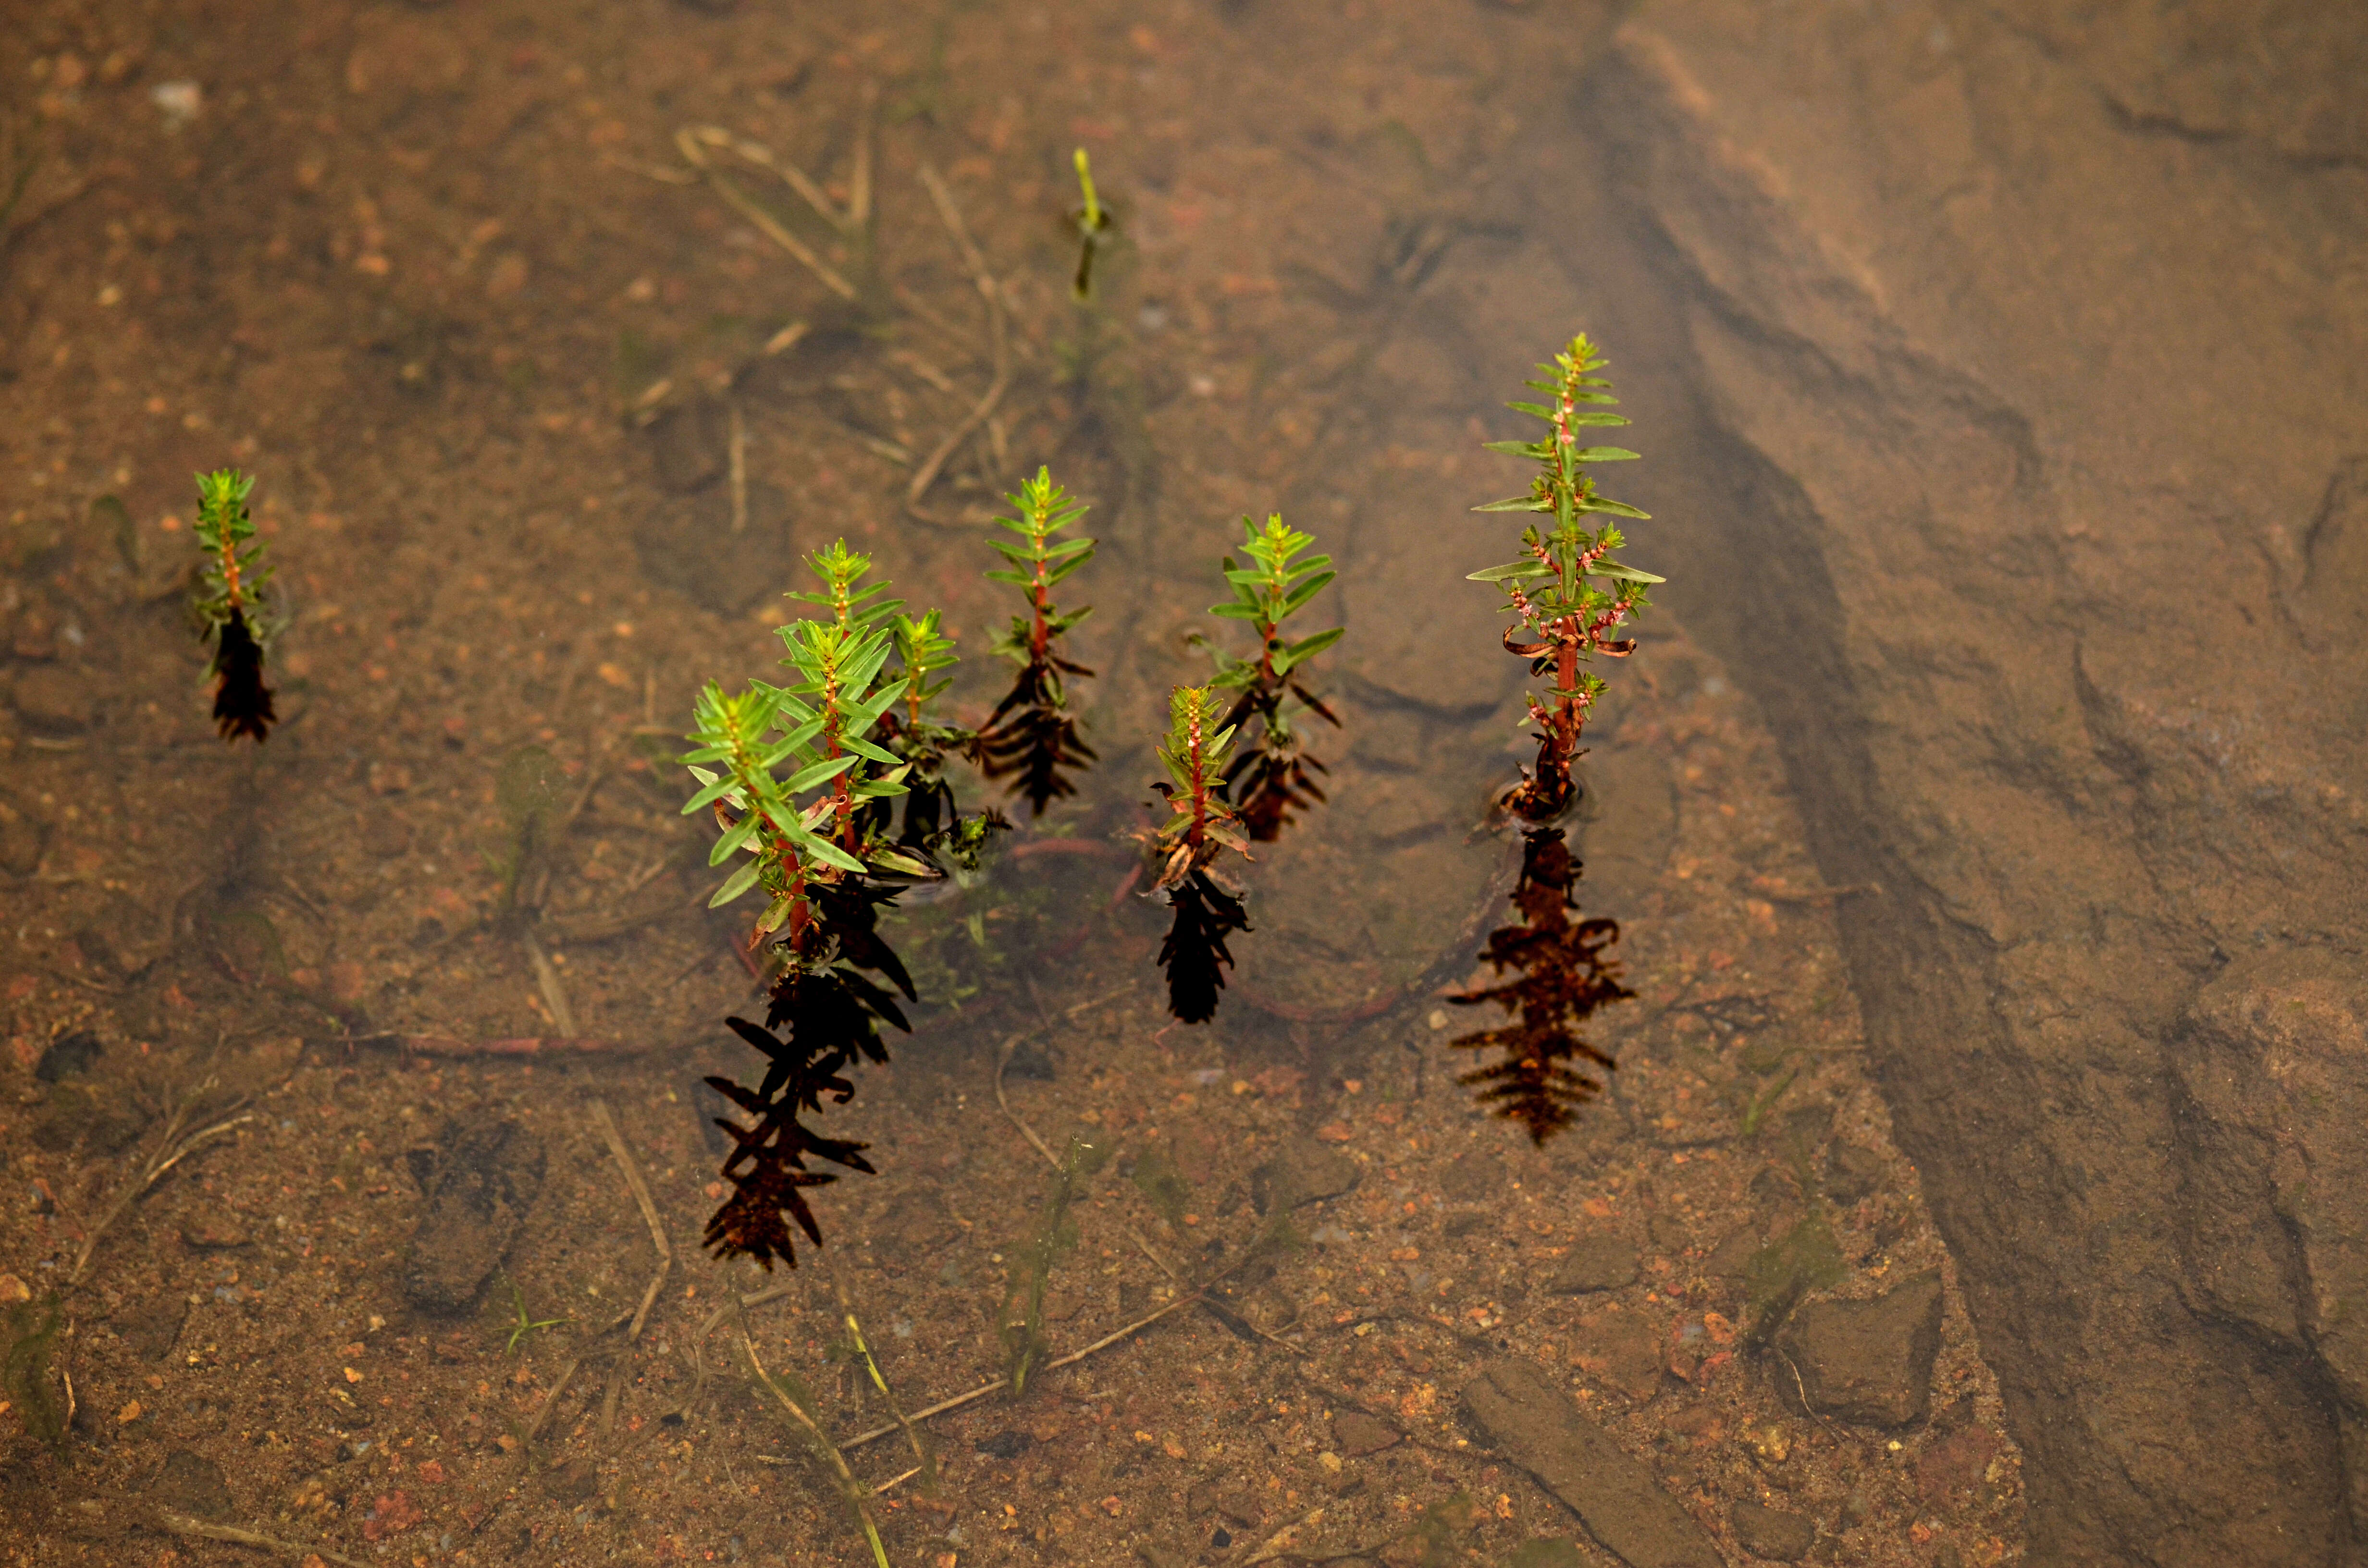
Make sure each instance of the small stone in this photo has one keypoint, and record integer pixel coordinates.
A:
(1771, 1445)
(1008, 1444)
(690, 443)
(1771, 1533)
(1852, 1173)
(1595, 1262)
(22, 838)
(68, 1056)
(215, 1233)
(192, 1484)
(54, 700)
(487, 1173)
(1619, 1350)
(13, 1290)
(1869, 1362)
(1955, 1463)
(1302, 1172)
(1471, 1178)
(1359, 1434)
(1538, 1428)
(1032, 1063)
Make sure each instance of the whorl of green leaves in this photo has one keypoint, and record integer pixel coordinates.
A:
(817, 731)
(1037, 563)
(1564, 488)
(841, 570)
(235, 571)
(1266, 593)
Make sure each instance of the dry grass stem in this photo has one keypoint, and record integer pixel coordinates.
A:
(606, 1122)
(201, 1529)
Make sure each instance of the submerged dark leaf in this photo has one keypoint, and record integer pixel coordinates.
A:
(1194, 954)
(1031, 737)
(242, 702)
(1563, 979)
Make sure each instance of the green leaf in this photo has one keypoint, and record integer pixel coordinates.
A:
(1615, 509)
(1236, 612)
(738, 882)
(820, 773)
(896, 860)
(1306, 648)
(1519, 449)
(1306, 591)
(1517, 504)
(866, 750)
(709, 795)
(739, 834)
(829, 854)
(1604, 454)
(1531, 567)
(1623, 573)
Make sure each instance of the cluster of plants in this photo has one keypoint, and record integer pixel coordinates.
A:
(831, 797)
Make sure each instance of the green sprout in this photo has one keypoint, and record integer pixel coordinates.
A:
(1093, 221)
(525, 1323)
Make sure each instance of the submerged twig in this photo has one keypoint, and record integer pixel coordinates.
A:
(171, 1151)
(546, 980)
(204, 1529)
(693, 143)
(606, 1122)
(824, 1447)
(999, 334)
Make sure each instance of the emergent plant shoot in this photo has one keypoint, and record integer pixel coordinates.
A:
(1568, 617)
(1200, 827)
(1032, 738)
(230, 604)
(1267, 781)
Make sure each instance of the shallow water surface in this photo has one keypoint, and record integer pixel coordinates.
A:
(357, 1119)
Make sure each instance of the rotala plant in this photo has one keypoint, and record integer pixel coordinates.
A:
(1563, 618)
(1200, 826)
(1563, 978)
(1267, 781)
(230, 604)
(1031, 737)
(799, 781)
(1551, 590)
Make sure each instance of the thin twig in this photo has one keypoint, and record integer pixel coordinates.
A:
(171, 1150)
(606, 1122)
(733, 1302)
(855, 1332)
(1071, 1359)
(202, 1530)
(546, 978)
(831, 1451)
(951, 215)
(688, 141)
(1002, 1061)
(738, 452)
